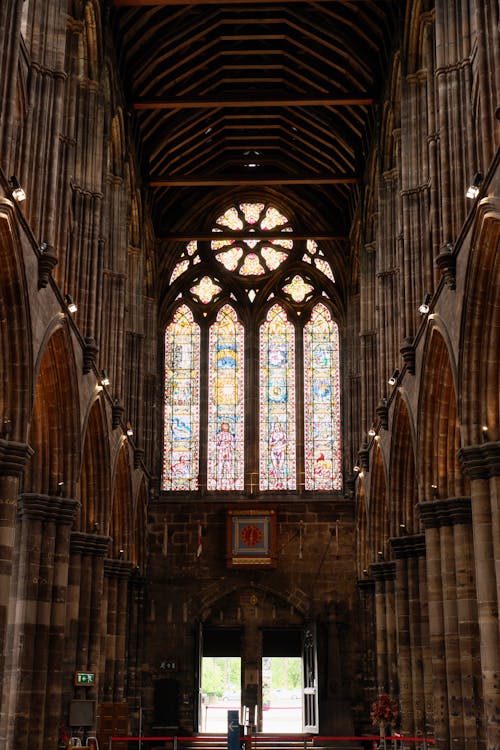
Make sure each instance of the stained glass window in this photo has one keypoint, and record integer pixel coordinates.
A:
(266, 255)
(205, 290)
(277, 470)
(226, 425)
(182, 402)
(322, 402)
(298, 289)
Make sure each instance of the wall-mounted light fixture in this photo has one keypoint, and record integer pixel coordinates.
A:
(395, 375)
(473, 189)
(104, 378)
(357, 469)
(372, 431)
(424, 307)
(130, 431)
(17, 192)
(70, 303)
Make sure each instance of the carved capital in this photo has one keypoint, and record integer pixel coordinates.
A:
(117, 410)
(383, 571)
(13, 457)
(117, 568)
(450, 512)
(481, 461)
(46, 262)
(89, 354)
(382, 412)
(446, 262)
(89, 544)
(47, 508)
(408, 546)
(364, 457)
(408, 353)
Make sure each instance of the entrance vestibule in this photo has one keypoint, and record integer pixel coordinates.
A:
(268, 674)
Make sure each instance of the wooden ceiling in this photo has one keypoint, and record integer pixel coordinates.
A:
(247, 99)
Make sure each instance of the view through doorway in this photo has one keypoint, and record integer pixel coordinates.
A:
(220, 691)
(281, 693)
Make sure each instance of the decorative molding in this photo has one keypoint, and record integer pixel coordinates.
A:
(47, 260)
(446, 262)
(13, 457)
(47, 508)
(117, 568)
(481, 461)
(408, 353)
(89, 544)
(383, 571)
(408, 546)
(90, 351)
(450, 512)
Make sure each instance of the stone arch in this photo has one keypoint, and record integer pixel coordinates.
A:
(379, 519)
(92, 46)
(403, 489)
(209, 607)
(480, 353)
(438, 430)
(16, 365)
(121, 517)
(95, 489)
(55, 424)
(363, 558)
(140, 524)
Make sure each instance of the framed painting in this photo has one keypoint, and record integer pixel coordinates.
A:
(251, 538)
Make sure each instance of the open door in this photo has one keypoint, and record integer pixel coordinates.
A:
(199, 679)
(310, 679)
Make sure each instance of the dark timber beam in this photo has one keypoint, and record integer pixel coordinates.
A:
(208, 103)
(246, 181)
(273, 235)
(151, 3)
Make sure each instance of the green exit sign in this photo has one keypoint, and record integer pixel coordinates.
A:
(85, 678)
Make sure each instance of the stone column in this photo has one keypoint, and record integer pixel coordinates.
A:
(37, 620)
(453, 518)
(406, 550)
(384, 574)
(84, 610)
(13, 458)
(117, 574)
(482, 464)
(366, 588)
(436, 624)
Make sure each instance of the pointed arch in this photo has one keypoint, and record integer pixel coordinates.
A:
(95, 480)
(55, 425)
(16, 366)
(403, 489)
(480, 352)
(121, 520)
(379, 519)
(438, 430)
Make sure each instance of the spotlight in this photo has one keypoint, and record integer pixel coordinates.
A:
(395, 375)
(70, 303)
(372, 431)
(104, 378)
(473, 189)
(42, 247)
(130, 431)
(380, 554)
(17, 192)
(357, 469)
(424, 307)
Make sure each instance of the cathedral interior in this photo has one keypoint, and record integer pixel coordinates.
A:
(250, 355)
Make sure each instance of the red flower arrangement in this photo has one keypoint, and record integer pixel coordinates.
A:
(384, 710)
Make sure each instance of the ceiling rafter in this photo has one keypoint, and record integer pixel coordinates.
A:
(207, 103)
